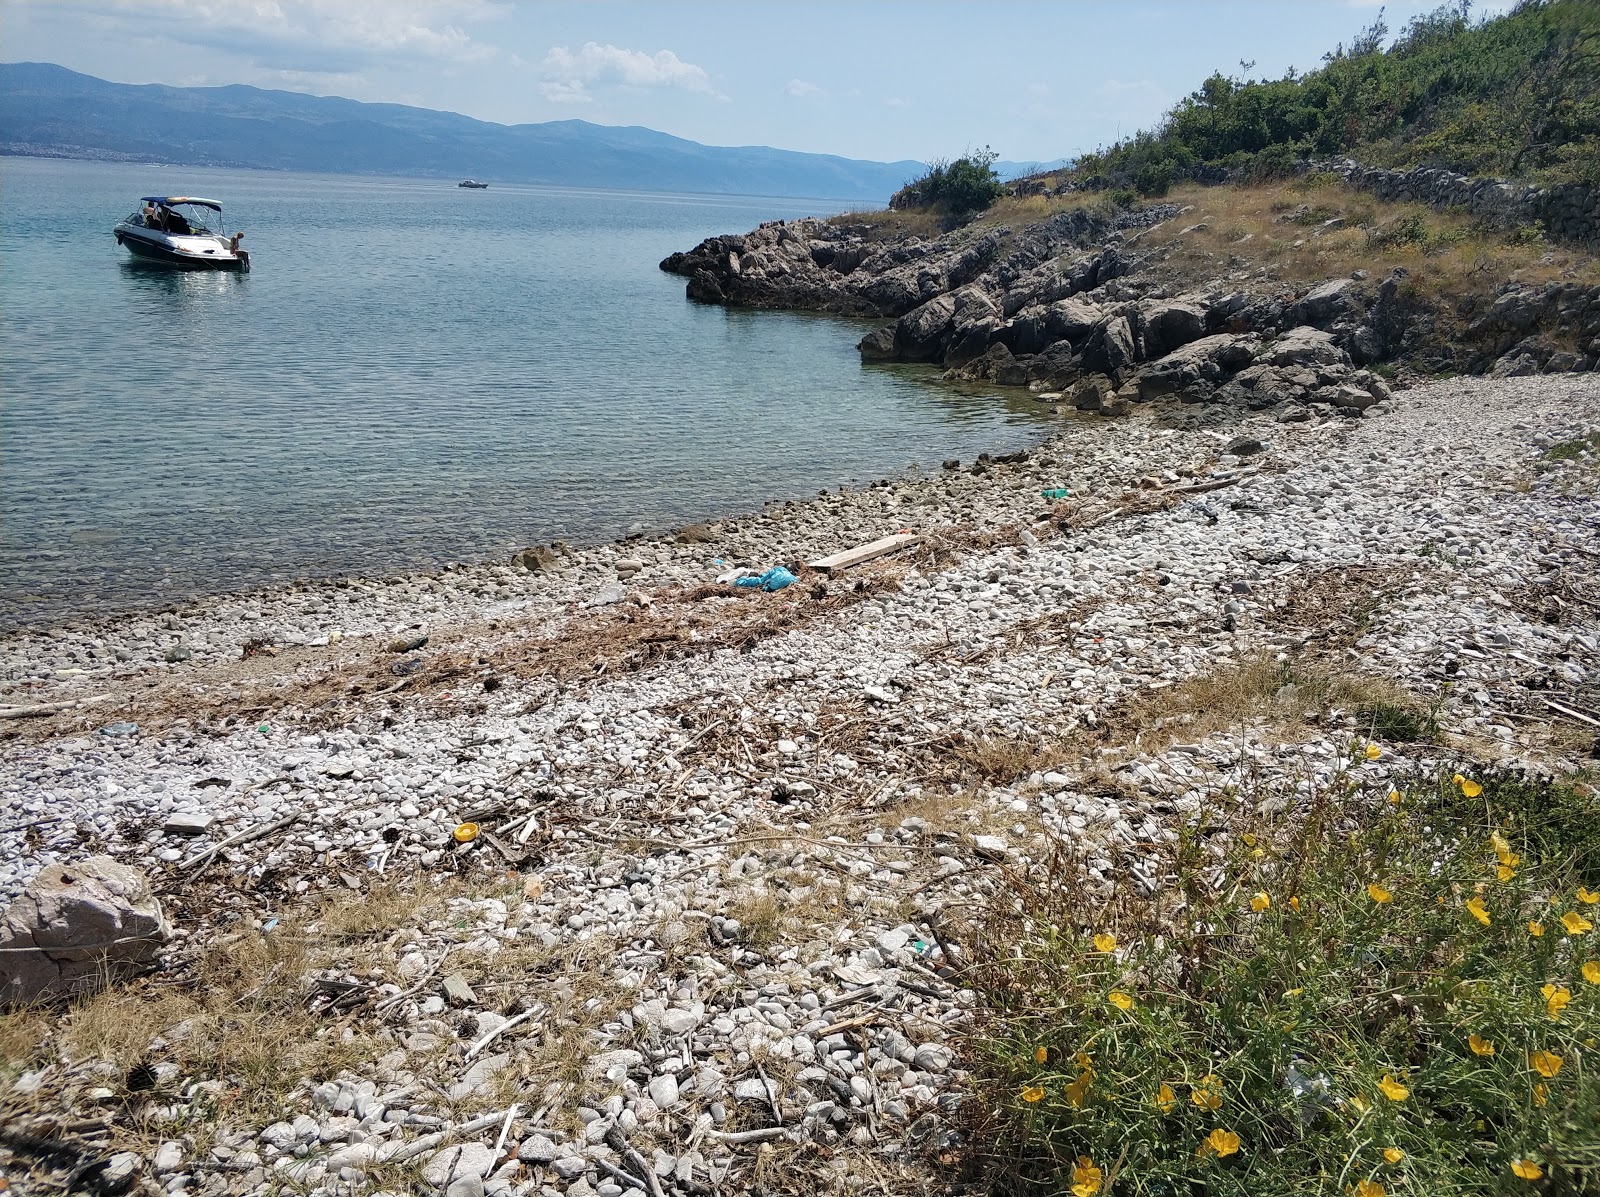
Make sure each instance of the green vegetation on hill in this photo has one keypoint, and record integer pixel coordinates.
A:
(1516, 96)
(955, 189)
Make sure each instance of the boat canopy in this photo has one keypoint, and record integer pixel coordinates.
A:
(169, 200)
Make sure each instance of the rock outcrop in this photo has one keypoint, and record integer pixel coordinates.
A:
(1072, 306)
(77, 928)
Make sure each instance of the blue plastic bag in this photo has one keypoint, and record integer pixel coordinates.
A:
(775, 578)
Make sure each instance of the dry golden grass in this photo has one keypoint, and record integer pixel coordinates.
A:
(998, 759)
(1262, 693)
(240, 1018)
(1244, 234)
(1245, 230)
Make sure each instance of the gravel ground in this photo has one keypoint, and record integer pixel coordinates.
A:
(760, 829)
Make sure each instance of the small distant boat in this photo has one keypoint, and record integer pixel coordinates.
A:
(174, 230)
(473, 183)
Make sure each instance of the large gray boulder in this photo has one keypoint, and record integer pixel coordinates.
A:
(1323, 305)
(1110, 348)
(1304, 346)
(1169, 324)
(1072, 320)
(923, 332)
(1210, 360)
(76, 928)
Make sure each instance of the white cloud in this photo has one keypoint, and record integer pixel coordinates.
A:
(304, 37)
(898, 102)
(568, 76)
(803, 89)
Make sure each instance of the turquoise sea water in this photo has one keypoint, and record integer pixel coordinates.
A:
(413, 373)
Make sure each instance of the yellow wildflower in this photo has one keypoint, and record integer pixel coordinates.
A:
(1502, 849)
(1223, 1142)
(1546, 1064)
(1078, 1091)
(1373, 752)
(1370, 1188)
(1393, 1089)
(1249, 840)
(1393, 1155)
(1085, 1062)
(1479, 1045)
(1208, 1093)
(1556, 998)
(1541, 1094)
(1477, 910)
(1294, 904)
(1575, 923)
(1591, 972)
(1166, 1098)
(1394, 797)
(1122, 1001)
(1032, 1093)
(1086, 1178)
(1105, 942)
(1260, 902)
(1378, 894)
(1468, 787)
(1588, 896)
(1041, 1054)
(1504, 873)
(1360, 1103)
(1526, 1169)
(1535, 928)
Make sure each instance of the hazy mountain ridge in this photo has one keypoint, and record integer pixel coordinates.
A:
(51, 111)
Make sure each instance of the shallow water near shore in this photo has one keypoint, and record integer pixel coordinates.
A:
(412, 374)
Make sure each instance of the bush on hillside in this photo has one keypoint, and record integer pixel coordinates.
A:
(1518, 95)
(958, 189)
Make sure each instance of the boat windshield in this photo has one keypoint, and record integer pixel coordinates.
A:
(179, 219)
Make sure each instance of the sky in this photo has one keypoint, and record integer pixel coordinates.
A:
(879, 79)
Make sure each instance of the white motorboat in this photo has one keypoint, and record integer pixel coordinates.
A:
(174, 230)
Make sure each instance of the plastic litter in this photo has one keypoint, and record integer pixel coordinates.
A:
(608, 594)
(1056, 492)
(775, 578)
(117, 730)
(466, 833)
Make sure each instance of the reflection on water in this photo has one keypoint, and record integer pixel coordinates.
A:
(414, 379)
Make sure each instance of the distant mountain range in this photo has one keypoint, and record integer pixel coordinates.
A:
(49, 111)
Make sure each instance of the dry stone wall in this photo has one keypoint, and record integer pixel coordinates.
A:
(1567, 212)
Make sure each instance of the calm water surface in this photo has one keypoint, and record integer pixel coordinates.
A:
(413, 373)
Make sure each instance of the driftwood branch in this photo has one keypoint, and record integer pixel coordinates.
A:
(37, 709)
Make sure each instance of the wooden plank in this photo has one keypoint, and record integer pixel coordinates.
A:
(878, 548)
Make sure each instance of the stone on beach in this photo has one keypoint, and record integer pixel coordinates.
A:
(76, 928)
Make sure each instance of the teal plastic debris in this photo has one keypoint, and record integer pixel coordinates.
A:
(775, 578)
(1056, 492)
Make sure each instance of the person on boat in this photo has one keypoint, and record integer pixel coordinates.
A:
(152, 216)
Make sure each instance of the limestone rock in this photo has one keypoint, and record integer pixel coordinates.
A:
(537, 559)
(1304, 346)
(85, 924)
(1323, 305)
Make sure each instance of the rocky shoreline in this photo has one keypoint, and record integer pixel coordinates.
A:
(734, 848)
(1077, 307)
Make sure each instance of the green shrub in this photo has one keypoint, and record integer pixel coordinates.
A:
(1411, 229)
(1517, 95)
(1155, 178)
(1377, 997)
(960, 188)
